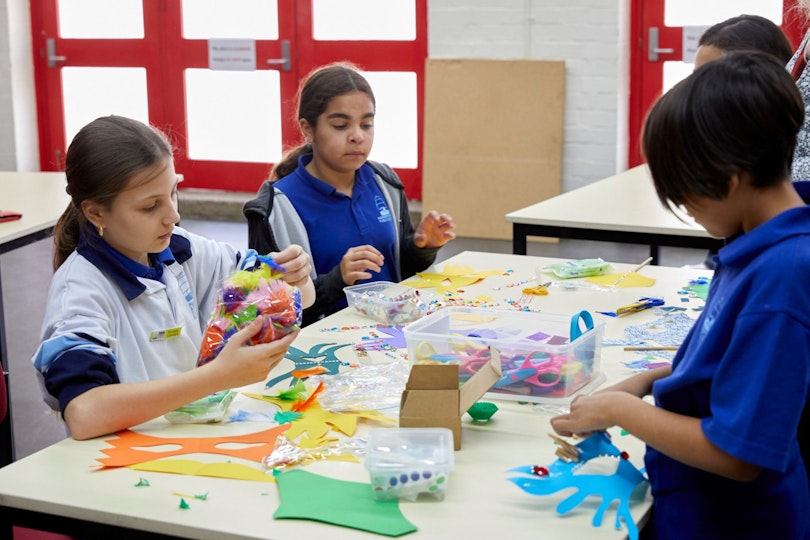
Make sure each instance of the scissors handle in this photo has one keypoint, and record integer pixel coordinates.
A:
(584, 316)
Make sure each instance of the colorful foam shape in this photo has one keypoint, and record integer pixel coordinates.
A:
(561, 475)
(305, 495)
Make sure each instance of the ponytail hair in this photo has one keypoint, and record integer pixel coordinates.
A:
(318, 89)
(99, 163)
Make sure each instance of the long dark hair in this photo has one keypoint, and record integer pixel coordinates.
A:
(100, 161)
(318, 89)
(739, 113)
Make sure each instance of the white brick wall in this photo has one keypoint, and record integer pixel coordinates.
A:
(589, 35)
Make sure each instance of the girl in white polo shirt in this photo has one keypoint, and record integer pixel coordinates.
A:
(132, 293)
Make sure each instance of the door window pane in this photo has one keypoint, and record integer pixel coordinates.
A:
(90, 92)
(356, 20)
(233, 115)
(100, 19)
(395, 125)
(701, 12)
(203, 19)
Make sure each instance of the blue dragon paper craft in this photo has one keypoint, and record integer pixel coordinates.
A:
(562, 474)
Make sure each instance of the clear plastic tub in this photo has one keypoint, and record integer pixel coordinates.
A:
(386, 302)
(545, 358)
(409, 462)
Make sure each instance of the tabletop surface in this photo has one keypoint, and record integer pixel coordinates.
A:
(39, 196)
(64, 479)
(624, 202)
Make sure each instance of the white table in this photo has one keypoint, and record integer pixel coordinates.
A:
(57, 489)
(623, 208)
(41, 198)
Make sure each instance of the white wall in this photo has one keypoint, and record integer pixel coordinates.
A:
(591, 36)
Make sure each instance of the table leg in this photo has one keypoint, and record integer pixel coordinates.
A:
(518, 239)
(6, 431)
(654, 253)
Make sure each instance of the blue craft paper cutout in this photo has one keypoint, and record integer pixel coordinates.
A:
(316, 356)
(561, 475)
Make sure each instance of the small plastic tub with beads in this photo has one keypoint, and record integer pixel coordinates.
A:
(386, 302)
(404, 463)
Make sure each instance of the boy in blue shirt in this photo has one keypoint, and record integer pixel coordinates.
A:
(722, 452)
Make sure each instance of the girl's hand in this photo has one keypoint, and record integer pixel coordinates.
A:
(359, 262)
(298, 271)
(241, 364)
(434, 231)
(296, 262)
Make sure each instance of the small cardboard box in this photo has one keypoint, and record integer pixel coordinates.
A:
(432, 397)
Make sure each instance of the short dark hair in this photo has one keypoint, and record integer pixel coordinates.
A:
(749, 33)
(739, 113)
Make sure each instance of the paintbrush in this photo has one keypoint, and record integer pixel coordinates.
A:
(647, 261)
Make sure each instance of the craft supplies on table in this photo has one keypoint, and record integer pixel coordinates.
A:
(576, 268)
(408, 462)
(545, 358)
(386, 302)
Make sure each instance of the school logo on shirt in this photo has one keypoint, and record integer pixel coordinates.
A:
(385, 214)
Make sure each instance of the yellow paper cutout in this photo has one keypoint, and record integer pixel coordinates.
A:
(190, 467)
(316, 421)
(125, 449)
(454, 275)
(632, 279)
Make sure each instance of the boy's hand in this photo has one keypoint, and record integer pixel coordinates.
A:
(434, 231)
(359, 262)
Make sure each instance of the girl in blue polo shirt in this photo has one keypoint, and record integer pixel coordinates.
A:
(132, 293)
(349, 213)
(722, 452)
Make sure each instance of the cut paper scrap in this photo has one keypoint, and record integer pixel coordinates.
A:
(316, 422)
(305, 495)
(622, 280)
(698, 288)
(601, 470)
(320, 359)
(452, 278)
(236, 471)
(668, 331)
(132, 447)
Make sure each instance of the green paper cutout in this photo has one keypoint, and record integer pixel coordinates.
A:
(305, 495)
(142, 482)
(184, 505)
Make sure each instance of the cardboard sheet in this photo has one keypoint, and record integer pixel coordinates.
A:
(492, 140)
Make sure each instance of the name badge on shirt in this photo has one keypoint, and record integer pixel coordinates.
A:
(169, 333)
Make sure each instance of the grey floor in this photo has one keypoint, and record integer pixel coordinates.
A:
(26, 271)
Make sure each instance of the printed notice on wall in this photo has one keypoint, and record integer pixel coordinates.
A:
(232, 54)
(691, 37)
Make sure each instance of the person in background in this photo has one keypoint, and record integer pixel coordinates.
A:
(797, 66)
(132, 292)
(741, 33)
(349, 213)
(723, 456)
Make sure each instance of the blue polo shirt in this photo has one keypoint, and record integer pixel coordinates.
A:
(744, 370)
(336, 222)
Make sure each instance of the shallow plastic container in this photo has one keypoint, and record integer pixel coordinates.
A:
(545, 358)
(386, 302)
(409, 462)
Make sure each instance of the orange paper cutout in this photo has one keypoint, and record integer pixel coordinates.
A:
(124, 450)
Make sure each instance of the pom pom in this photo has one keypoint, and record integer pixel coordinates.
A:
(246, 295)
